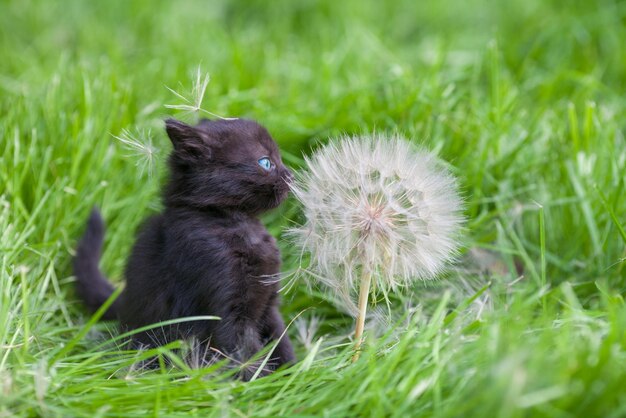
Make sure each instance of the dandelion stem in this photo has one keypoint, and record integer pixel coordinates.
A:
(364, 291)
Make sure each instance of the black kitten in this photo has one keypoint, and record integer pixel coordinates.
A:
(207, 253)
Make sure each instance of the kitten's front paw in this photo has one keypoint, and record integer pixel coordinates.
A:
(247, 371)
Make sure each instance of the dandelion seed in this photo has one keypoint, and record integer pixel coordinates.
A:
(379, 215)
(306, 329)
(193, 103)
(141, 147)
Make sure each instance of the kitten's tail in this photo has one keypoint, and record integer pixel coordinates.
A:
(91, 285)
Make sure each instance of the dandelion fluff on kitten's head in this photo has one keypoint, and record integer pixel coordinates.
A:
(376, 203)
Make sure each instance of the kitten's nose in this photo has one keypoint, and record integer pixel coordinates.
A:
(287, 175)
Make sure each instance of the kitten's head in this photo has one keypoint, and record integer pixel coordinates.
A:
(226, 164)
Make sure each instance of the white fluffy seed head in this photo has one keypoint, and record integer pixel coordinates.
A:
(376, 203)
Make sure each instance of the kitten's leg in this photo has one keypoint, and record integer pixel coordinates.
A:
(273, 328)
(141, 342)
(153, 338)
(240, 339)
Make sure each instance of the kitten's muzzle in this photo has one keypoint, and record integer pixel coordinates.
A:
(282, 187)
(288, 176)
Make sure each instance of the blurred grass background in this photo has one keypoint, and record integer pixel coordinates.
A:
(524, 99)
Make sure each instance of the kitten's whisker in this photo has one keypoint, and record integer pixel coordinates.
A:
(269, 279)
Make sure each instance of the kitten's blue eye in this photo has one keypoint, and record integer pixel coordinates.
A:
(265, 163)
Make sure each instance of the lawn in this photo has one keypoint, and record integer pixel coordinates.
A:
(524, 99)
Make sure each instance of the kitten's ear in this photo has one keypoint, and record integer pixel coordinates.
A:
(186, 139)
(204, 121)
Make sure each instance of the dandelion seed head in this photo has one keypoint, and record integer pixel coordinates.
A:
(140, 145)
(379, 204)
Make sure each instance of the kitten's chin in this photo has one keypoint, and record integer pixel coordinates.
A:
(279, 197)
(282, 193)
(267, 200)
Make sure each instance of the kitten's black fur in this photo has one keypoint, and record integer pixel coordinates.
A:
(206, 253)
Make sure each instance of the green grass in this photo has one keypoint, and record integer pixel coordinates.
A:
(524, 99)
